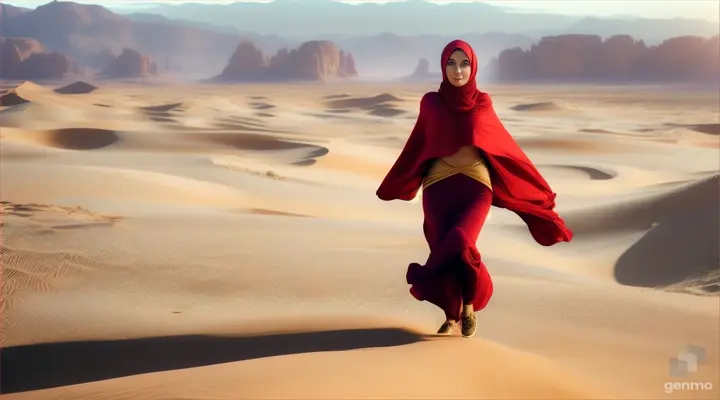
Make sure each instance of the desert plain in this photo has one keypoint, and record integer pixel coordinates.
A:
(168, 241)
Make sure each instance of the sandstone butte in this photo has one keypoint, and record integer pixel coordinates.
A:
(130, 64)
(619, 58)
(24, 58)
(422, 73)
(314, 60)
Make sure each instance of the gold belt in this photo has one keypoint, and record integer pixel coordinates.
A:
(440, 170)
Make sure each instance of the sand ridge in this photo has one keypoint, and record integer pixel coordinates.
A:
(183, 241)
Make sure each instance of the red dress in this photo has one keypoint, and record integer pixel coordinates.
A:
(449, 119)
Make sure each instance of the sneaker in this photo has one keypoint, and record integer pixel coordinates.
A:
(469, 325)
(446, 328)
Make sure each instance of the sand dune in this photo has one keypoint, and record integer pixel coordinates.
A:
(710, 129)
(11, 98)
(665, 257)
(597, 131)
(252, 142)
(162, 108)
(20, 267)
(336, 356)
(78, 87)
(24, 93)
(382, 105)
(261, 105)
(244, 124)
(707, 284)
(30, 91)
(677, 240)
(205, 242)
(687, 135)
(77, 139)
(174, 353)
(361, 102)
(577, 145)
(546, 106)
(13, 149)
(336, 96)
(583, 171)
(647, 208)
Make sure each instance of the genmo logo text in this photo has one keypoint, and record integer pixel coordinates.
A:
(687, 386)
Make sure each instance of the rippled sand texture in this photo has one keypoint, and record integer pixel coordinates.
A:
(201, 242)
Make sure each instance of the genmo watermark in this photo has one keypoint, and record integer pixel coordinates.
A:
(671, 387)
(685, 364)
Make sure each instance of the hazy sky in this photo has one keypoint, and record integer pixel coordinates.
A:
(702, 9)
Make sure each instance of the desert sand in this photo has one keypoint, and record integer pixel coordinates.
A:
(225, 242)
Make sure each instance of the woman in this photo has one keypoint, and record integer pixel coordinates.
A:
(466, 161)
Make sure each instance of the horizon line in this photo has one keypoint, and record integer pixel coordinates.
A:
(508, 6)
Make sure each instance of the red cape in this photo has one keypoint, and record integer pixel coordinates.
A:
(517, 184)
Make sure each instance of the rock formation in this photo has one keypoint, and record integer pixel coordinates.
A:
(7, 11)
(423, 68)
(422, 72)
(25, 46)
(23, 58)
(91, 35)
(347, 65)
(314, 60)
(247, 63)
(619, 58)
(684, 58)
(130, 64)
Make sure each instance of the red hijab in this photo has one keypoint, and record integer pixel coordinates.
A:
(454, 117)
(464, 98)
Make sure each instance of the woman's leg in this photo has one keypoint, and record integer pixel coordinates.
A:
(472, 222)
(434, 226)
(455, 210)
(475, 281)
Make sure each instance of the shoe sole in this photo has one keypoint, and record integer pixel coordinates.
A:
(450, 332)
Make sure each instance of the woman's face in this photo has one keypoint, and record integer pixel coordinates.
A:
(458, 68)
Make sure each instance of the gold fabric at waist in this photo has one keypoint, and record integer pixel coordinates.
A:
(440, 170)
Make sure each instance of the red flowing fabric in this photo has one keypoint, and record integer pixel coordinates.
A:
(454, 117)
(455, 210)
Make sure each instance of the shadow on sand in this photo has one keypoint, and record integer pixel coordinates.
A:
(682, 246)
(43, 366)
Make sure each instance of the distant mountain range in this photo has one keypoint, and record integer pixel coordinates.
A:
(386, 40)
(310, 18)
